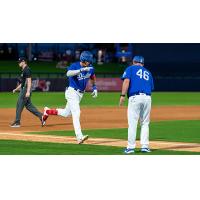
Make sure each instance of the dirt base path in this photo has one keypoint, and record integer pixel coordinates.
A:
(177, 146)
(95, 118)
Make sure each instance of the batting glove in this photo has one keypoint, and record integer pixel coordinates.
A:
(85, 69)
(94, 91)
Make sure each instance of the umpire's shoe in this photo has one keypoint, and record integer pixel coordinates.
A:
(85, 137)
(15, 125)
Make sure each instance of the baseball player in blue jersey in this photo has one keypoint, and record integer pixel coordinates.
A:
(138, 85)
(78, 73)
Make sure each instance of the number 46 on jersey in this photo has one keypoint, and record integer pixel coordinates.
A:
(143, 74)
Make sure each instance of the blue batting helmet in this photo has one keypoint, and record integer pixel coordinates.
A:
(86, 56)
(138, 59)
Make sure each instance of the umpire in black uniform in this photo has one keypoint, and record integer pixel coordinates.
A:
(24, 98)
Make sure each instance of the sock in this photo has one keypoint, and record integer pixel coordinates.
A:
(45, 117)
(52, 112)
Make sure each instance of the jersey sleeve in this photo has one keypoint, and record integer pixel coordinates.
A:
(71, 67)
(28, 73)
(126, 74)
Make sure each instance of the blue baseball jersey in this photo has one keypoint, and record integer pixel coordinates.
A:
(141, 80)
(80, 81)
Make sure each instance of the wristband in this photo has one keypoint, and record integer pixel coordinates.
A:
(122, 95)
(94, 87)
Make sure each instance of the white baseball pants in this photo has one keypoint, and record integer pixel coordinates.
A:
(73, 98)
(139, 107)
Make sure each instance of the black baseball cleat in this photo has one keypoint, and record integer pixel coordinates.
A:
(15, 125)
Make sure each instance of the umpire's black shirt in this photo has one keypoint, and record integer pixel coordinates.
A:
(26, 73)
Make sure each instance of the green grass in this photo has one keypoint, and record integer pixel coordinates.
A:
(50, 67)
(57, 99)
(174, 131)
(179, 131)
(176, 98)
(43, 148)
(8, 147)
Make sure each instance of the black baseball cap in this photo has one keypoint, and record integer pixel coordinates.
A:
(21, 59)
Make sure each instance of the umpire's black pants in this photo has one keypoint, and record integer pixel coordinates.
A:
(24, 101)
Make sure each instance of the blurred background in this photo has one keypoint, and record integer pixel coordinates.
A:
(175, 67)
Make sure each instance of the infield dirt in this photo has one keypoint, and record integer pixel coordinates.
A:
(95, 118)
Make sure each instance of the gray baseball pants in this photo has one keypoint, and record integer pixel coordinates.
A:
(24, 101)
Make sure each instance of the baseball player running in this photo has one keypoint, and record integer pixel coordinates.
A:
(138, 84)
(24, 98)
(78, 73)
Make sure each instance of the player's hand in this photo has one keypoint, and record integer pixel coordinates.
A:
(94, 93)
(14, 91)
(85, 69)
(121, 101)
(27, 94)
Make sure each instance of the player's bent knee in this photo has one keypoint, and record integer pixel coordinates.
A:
(144, 124)
(63, 112)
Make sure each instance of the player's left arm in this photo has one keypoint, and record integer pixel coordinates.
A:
(28, 87)
(125, 87)
(29, 82)
(93, 81)
(152, 83)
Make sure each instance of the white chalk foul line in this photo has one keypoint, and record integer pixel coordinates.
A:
(98, 141)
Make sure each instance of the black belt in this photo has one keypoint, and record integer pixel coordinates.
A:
(80, 91)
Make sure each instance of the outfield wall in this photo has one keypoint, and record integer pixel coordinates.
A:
(59, 84)
(106, 84)
(39, 84)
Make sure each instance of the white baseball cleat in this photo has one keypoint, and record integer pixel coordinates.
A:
(129, 150)
(85, 137)
(145, 150)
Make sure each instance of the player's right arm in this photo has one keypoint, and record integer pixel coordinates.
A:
(72, 71)
(125, 87)
(126, 81)
(17, 88)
